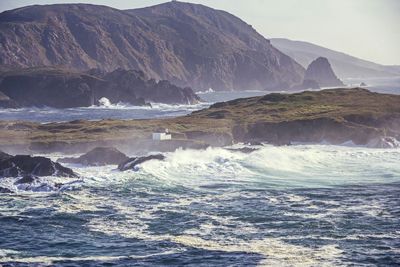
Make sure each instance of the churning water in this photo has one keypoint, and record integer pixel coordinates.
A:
(305, 205)
(125, 112)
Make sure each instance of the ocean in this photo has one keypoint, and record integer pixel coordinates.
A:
(123, 111)
(304, 205)
(301, 205)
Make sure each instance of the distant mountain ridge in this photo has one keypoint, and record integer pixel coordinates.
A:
(187, 44)
(345, 66)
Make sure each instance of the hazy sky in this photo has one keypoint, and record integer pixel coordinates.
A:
(369, 29)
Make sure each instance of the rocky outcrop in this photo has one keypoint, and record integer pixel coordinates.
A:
(190, 45)
(320, 70)
(308, 131)
(244, 150)
(335, 116)
(384, 142)
(49, 87)
(60, 88)
(24, 165)
(132, 163)
(99, 156)
(28, 179)
(4, 190)
(123, 84)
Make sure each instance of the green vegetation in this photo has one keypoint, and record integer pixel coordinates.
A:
(337, 104)
(336, 115)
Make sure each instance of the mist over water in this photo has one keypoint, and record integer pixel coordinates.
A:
(313, 205)
(127, 112)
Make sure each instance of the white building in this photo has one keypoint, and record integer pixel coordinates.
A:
(162, 135)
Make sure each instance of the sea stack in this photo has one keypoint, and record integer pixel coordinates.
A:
(320, 70)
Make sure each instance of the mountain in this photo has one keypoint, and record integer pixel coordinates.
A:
(60, 88)
(320, 70)
(345, 66)
(187, 44)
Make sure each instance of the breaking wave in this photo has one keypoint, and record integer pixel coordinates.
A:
(104, 111)
(307, 205)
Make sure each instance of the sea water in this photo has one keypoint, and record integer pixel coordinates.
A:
(122, 111)
(303, 205)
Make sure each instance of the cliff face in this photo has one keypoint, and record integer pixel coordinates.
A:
(61, 88)
(188, 44)
(335, 116)
(49, 87)
(320, 70)
(124, 84)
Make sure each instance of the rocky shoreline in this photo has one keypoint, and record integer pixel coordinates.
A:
(36, 87)
(334, 116)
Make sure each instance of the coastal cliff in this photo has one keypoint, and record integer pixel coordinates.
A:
(62, 88)
(335, 116)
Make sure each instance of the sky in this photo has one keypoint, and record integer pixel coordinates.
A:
(368, 29)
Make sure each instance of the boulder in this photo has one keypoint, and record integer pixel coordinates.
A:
(99, 156)
(23, 165)
(132, 163)
(4, 190)
(245, 150)
(28, 179)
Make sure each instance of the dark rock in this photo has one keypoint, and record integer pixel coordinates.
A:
(22, 165)
(5, 191)
(125, 84)
(255, 143)
(28, 179)
(245, 150)
(4, 156)
(363, 84)
(99, 156)
(36, 87)
(132, 163)
(187, 44)
(320, 71)
(49, 87)
(384, 142)
(210, 138)
(6, 102)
